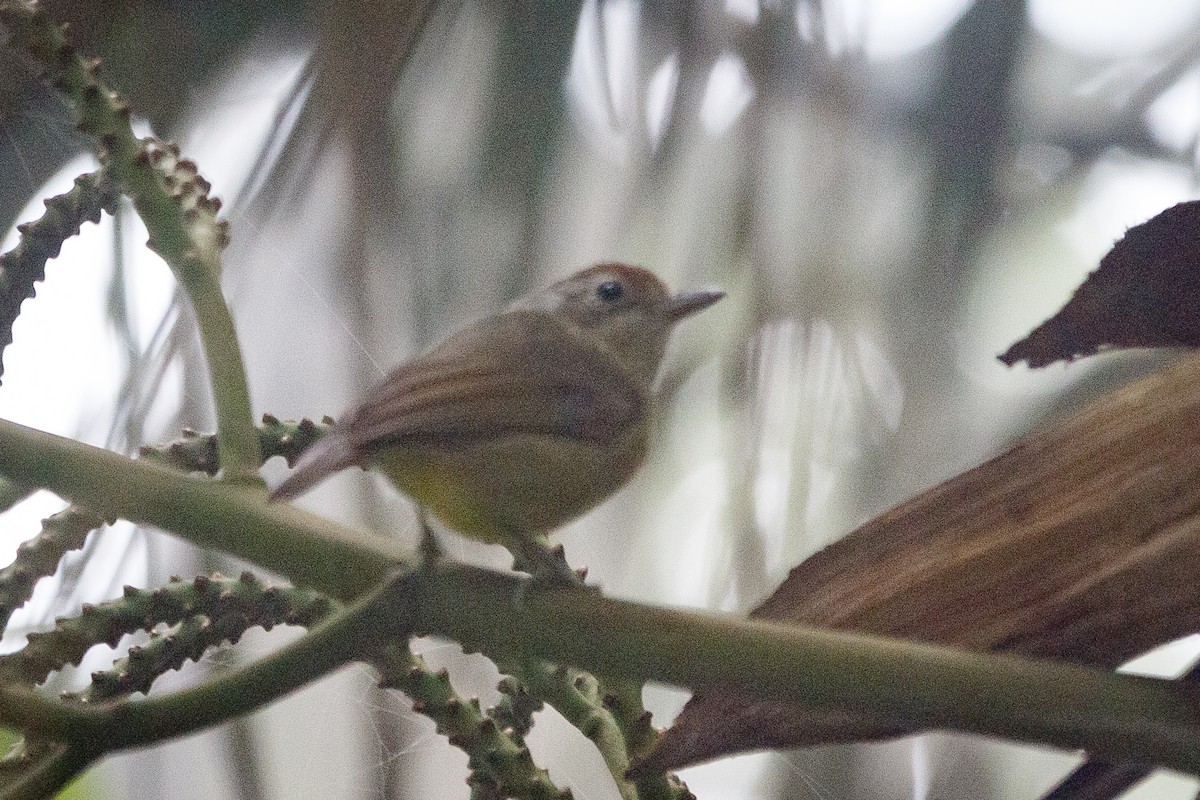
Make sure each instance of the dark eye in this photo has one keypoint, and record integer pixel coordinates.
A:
(610, 291)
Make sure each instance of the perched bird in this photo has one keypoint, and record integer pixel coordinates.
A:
(521, 421)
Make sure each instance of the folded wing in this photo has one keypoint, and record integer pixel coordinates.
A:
(516, 373)
(520, 372)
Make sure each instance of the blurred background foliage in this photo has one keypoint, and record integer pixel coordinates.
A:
(890, 191)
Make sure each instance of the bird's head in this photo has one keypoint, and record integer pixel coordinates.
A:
(626, 308)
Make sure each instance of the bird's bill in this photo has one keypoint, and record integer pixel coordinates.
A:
(685, 304)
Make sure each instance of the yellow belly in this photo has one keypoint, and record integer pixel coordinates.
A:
(492, 488)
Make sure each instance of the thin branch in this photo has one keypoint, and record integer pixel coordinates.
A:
(172, 199)
(310, 550)
(35, 777)
(25, 264)
(38, 557)
(197, 452)
(11, 494)
(1100, 780)
(344, 636)
(499, 760)
(576, 696)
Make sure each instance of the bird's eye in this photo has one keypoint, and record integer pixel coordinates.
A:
(610, 291)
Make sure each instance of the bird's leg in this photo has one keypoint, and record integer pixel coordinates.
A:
(430, 549)
(546, 564)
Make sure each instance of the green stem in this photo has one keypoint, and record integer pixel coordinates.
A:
(172, 199)
(500, 763)
(575, 695)
(1130, 718)
(237, 436)
(121, 724)
(38, 557)
(49, 773)
(310, 550)
(1116, 717)
(11, 494)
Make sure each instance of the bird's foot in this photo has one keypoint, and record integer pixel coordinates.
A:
(546, 564)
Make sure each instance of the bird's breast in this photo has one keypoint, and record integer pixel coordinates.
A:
(486, 487)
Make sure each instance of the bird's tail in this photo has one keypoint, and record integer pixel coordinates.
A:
(332, 453)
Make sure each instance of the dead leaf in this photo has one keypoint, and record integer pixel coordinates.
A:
(1081, 543)
(1146, 293)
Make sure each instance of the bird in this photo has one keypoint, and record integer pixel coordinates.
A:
(524, 420)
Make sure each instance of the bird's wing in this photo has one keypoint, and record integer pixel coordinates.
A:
(519, 372)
